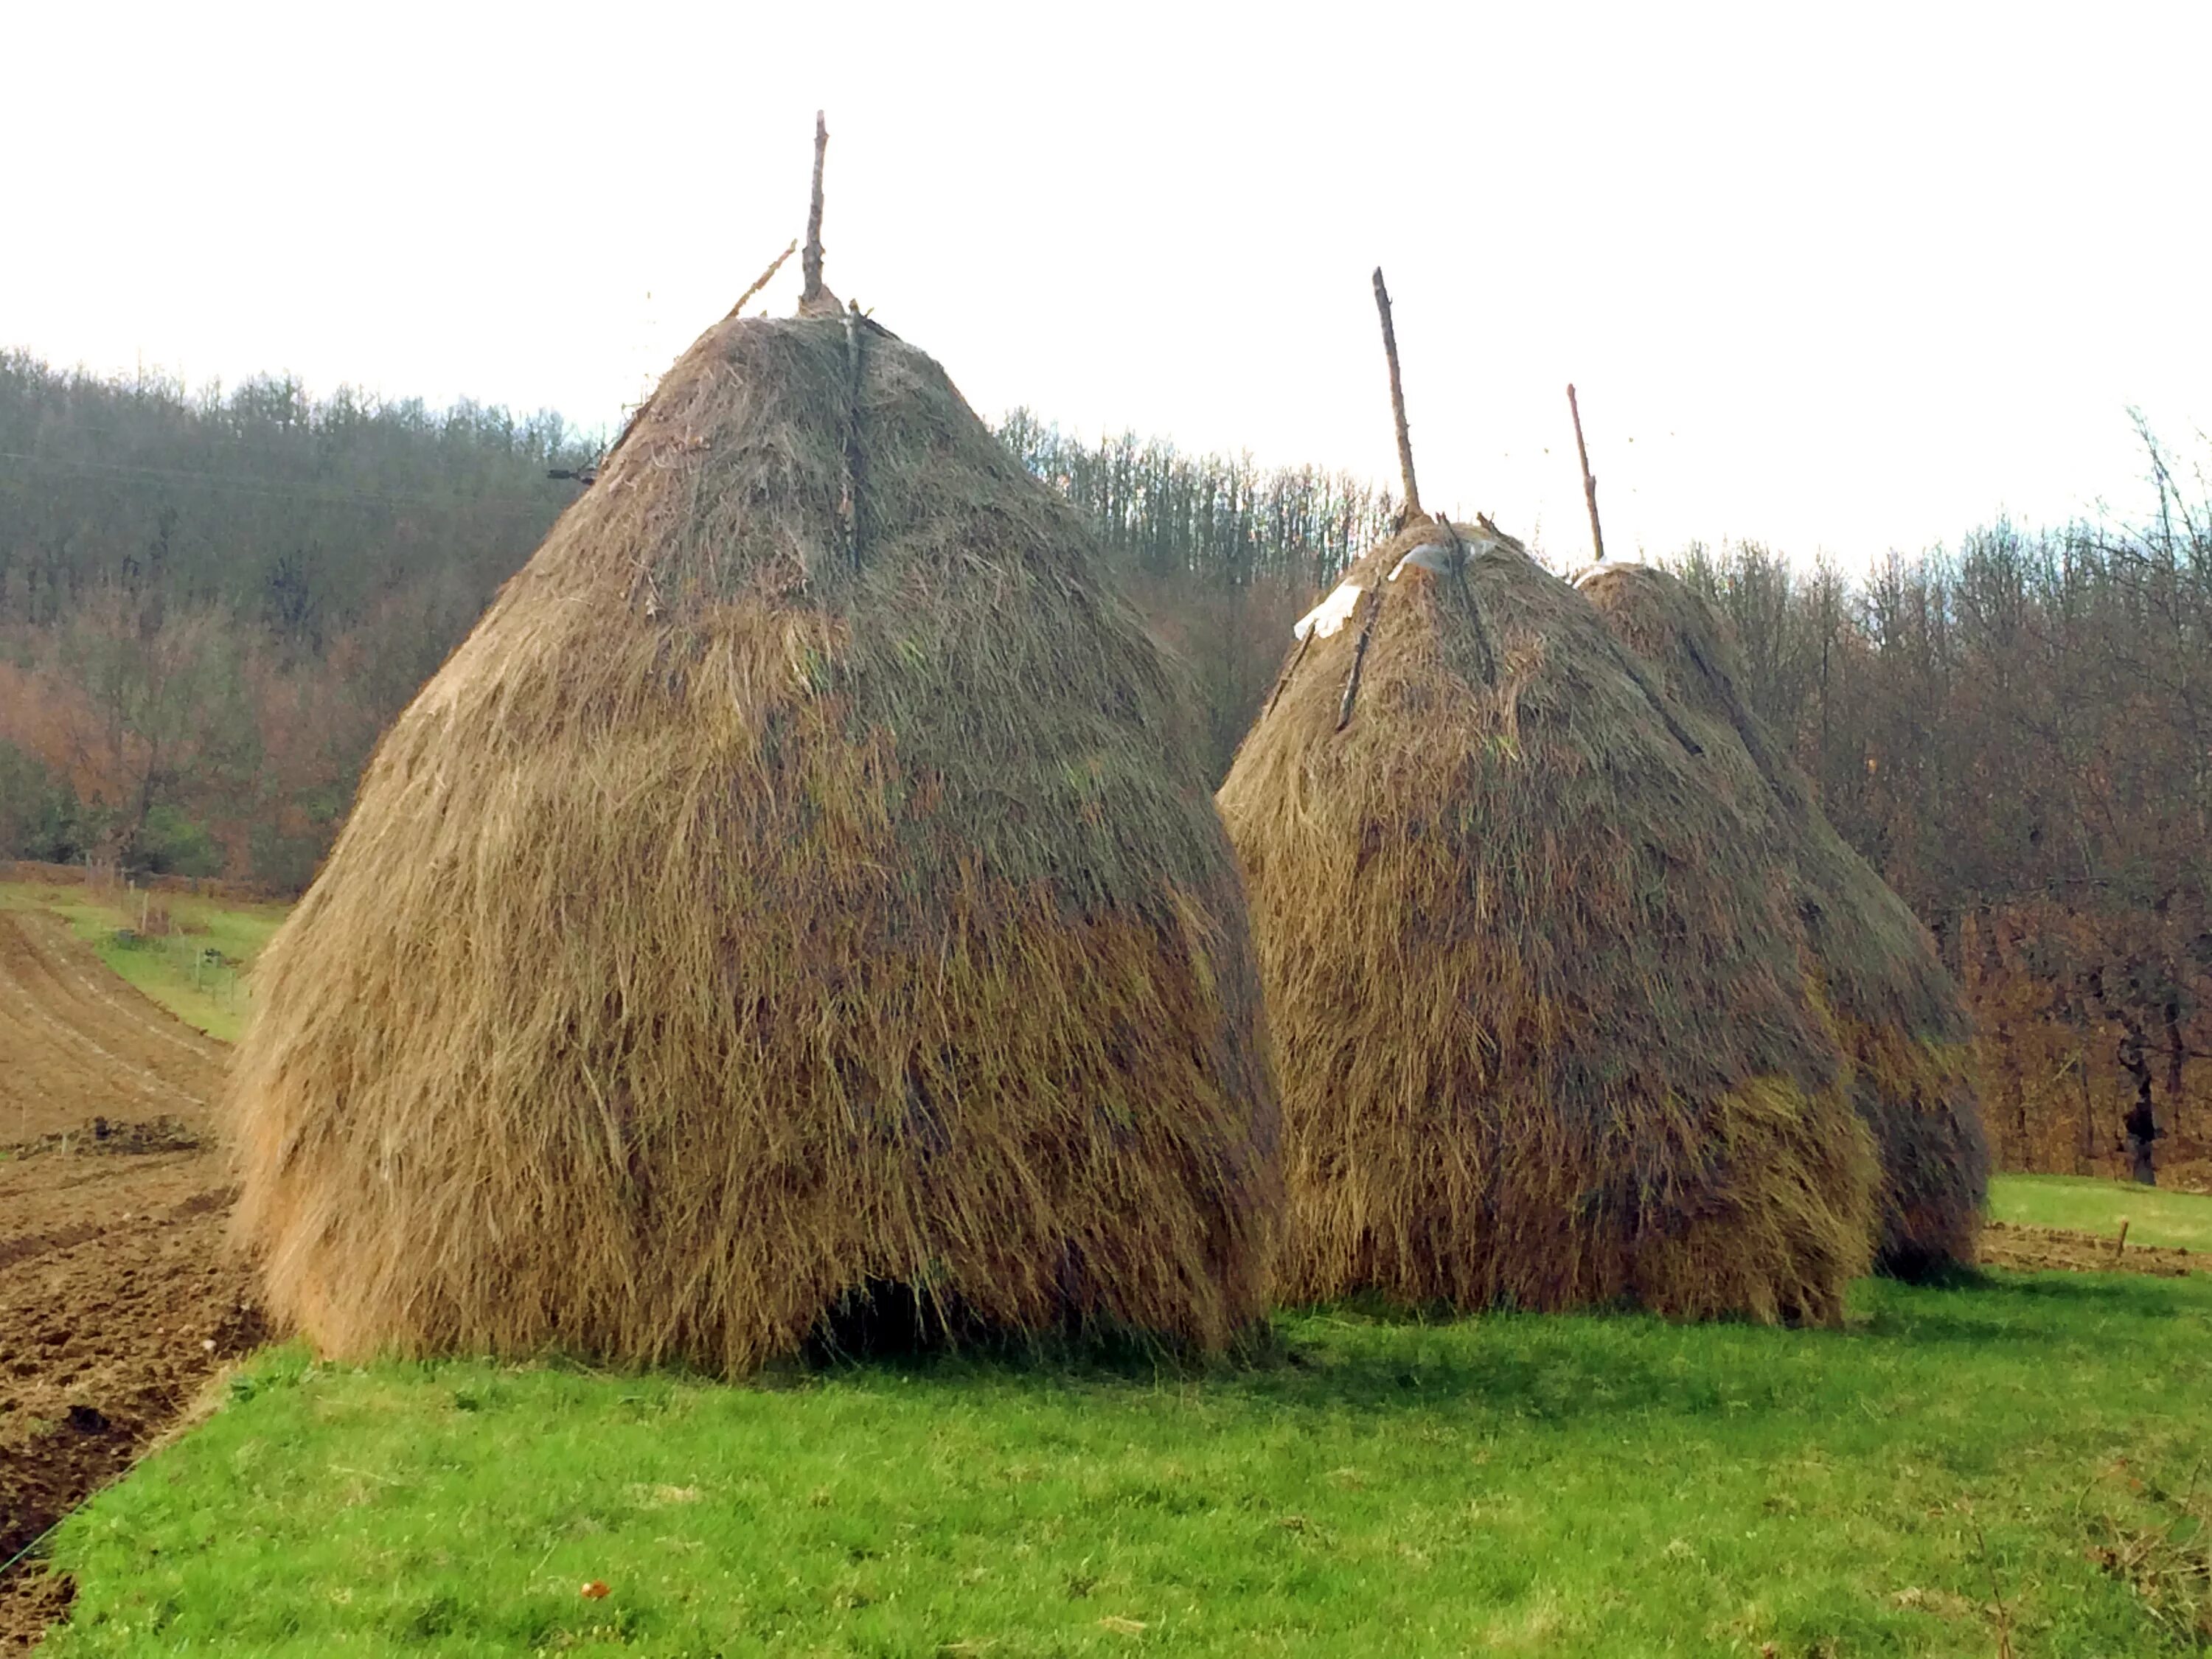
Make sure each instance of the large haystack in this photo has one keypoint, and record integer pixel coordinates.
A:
(764, 911)
(1542, 1036)
(1895, 1009)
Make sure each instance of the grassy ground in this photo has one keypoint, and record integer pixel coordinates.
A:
(172, 969)
(2014, 1461)
(2177, 1220)
(2017, 1453)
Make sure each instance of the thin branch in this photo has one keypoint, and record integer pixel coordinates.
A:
(1590, 478)
(1358, 657)
(1466, 597)
(1413, 504)
(1289, 669)
(1996, 1592)
(761, 281)
(852, 502)
(1642, 682)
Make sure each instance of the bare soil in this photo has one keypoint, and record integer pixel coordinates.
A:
(117, 1297)
(2005, 1244)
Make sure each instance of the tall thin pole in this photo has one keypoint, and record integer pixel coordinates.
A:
(1589, 480)
(1413, 509)
(810, 261)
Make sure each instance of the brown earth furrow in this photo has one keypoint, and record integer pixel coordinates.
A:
(23, 1248)
(49, 941)
(46, 1078)
(121, 1073)
(119, 1298)
(28, 979)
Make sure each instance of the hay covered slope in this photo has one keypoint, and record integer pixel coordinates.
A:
(1542, 1037)
(726, 930)
(1896, 1009)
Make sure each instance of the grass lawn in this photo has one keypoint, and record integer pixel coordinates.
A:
(2178, 1220)
(214, 997)
(1599, 1485)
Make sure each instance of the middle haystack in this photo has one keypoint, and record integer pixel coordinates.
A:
(1535, 983)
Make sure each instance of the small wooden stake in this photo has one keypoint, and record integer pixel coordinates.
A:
(1413, 507)
(1358, 656)
(1590, 479)
(2120, 1244)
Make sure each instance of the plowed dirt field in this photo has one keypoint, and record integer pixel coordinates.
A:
(117, 1298)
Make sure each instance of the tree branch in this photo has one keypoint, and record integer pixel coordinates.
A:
(762, 281)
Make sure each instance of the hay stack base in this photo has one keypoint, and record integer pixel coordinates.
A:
(1543, 1038)
(733, 928)
(1870, 965)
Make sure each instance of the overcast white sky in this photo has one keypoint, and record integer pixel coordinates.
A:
(1843, 278)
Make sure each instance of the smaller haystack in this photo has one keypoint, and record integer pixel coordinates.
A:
(1543, 1036)
(1896, 1011)
(799, 895)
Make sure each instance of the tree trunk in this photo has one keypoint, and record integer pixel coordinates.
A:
(2142, 1121)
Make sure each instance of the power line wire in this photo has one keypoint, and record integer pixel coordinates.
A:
(327, 495)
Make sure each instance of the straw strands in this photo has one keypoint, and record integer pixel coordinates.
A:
(1868, 961)
(1543, 1033)
(800, 889)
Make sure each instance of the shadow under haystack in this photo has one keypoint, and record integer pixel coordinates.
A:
(800, 887)
(1543, 1038)
(1896, 1011)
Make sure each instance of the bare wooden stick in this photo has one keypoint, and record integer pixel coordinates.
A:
(1413, 507)
(1467, 598)
(1289, 669)
(589, 475)
(1590, 479)
(761, 281)
(852, 502)
(1358, 657)
(1675, 728)
(810, 265)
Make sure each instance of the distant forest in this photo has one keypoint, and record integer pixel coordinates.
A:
(212, 603)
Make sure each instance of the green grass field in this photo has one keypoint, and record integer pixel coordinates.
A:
(2178, 1220)
(2015, 1462)
(214, 997)
(1958, 1460)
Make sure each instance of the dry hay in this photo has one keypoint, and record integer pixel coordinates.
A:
(1534, 984)
(1897, 1012)
(730, 934)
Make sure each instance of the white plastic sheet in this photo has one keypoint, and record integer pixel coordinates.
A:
(1329, 615)
(1434, 556)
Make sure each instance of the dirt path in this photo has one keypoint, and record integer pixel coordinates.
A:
(116, 1298)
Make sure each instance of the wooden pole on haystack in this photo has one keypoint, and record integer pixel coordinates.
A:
(1359, 657)
(852, 502)
(811, 262)
(1413, 507)
(815, 299)
(1461, 554)
(1590, 479)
